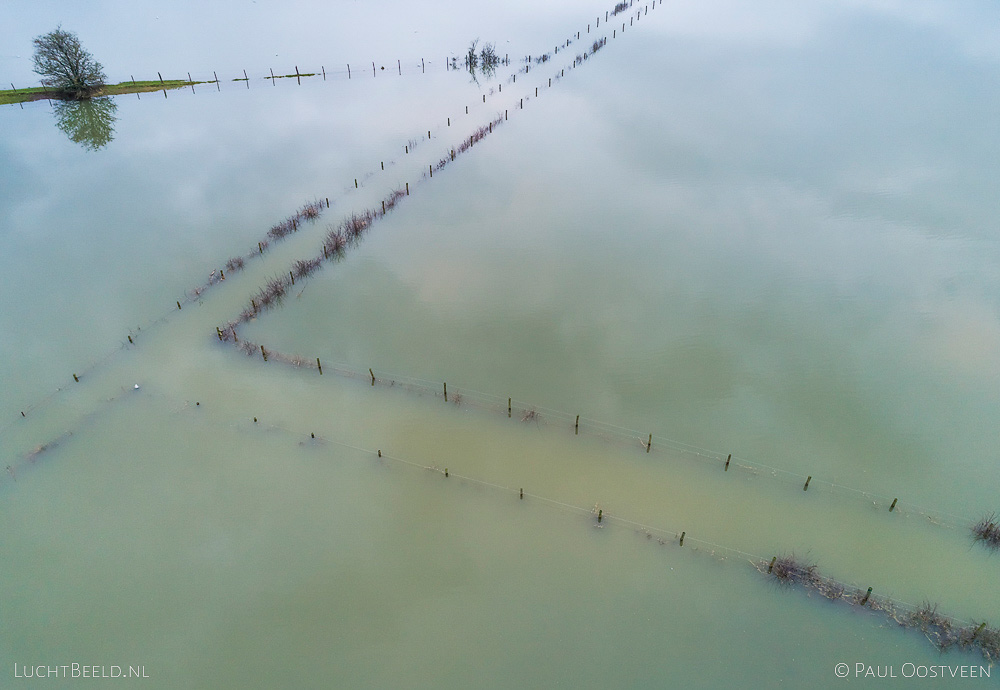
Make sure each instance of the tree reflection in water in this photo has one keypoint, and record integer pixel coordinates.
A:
(90, 123)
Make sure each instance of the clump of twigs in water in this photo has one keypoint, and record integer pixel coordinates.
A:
(987, 531)
(598, 45)
(788, 570)
(937, 628)
(335, 243)
(303, 267)
(272, 293)
(311, 211)
(286, 227)
(457, 399)
(355, 224)
(620, 7)
(235, 264)
(529, 416)
(282, 229)
(394, 197)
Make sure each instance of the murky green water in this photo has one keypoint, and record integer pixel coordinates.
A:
(768, 238)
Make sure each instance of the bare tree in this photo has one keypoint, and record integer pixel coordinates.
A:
(65, 66)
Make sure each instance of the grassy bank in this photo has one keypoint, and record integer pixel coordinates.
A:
(39, 92)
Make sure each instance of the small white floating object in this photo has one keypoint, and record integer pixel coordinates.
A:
(136, 387)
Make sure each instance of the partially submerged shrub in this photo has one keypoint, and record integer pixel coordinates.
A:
(987, 531)
(335, 243)
(235, 264)
(304, 267)
(789, 570)
(272, 292)
(394, 197)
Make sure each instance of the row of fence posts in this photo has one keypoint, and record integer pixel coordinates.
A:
(576, 425)
(298, 75)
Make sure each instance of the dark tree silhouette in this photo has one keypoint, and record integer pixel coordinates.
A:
(65, 66)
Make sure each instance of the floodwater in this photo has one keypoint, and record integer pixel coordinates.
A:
(768, 235)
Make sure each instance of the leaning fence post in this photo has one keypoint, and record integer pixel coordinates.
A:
(727, 461)
(373, 375)
(263, 353)
(650, 443)
(865, 599)
(319, 366)
(808, 479)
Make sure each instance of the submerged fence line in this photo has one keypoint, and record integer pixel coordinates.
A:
(234, 264)
(645, 442)
(310, 211)
(348, 232)
(943, 631)
(38, 452)
(351, 230)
